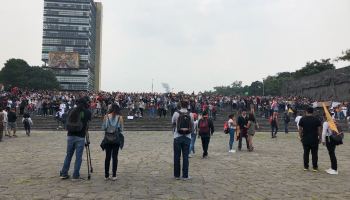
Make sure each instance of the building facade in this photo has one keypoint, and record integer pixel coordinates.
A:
(72, 42)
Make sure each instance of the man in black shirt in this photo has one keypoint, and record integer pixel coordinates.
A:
(242, 122)
(76, 139)
(310, 135)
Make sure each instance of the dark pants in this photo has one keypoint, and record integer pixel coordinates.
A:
(181, 145)
(240, 141)
(314, 152)
(27, 129)
(274, 130)
(331, 151)
(1, 132)
(205, 145)
(286, 127)
(111, 152)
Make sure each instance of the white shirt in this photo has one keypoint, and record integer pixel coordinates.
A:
(326, 131)
(5, 116)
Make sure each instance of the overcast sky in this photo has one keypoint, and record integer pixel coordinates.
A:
(193, 44)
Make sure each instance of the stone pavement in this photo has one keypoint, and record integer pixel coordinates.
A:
(30, 165)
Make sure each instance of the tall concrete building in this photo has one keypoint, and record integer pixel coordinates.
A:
(72, 42)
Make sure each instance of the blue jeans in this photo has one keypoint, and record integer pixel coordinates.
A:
(76, 144)
(193, 141)
(232, 138)
(181, 144)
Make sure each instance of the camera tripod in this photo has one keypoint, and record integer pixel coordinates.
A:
(88, 155)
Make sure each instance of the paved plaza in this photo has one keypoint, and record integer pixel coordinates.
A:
(30, 166)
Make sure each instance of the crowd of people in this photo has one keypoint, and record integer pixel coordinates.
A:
(191, 115)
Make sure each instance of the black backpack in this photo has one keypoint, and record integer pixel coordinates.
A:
(75, 126)
(184, 124)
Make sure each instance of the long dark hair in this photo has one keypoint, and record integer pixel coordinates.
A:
(251, 117)
(115, 109)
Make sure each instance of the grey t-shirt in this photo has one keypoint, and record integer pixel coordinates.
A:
(174, 121)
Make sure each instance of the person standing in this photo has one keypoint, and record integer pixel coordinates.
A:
(194, 134)
(274, 125)
(27, 123)
(115, 122)
(12, 118)
(5, 122)
(76, 138)
(205, 130)
(310, 135)
(242, 122)
(330, 144)
(251, 130)
(286, 120)
(182, 121)
(2, 116)
(232, 129)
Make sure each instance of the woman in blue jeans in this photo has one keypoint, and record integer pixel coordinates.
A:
(232, 129)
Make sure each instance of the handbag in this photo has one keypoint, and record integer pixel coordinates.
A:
(337, 138)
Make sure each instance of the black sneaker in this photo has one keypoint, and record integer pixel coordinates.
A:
(64, 177)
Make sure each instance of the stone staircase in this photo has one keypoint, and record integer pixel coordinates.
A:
(156, 124)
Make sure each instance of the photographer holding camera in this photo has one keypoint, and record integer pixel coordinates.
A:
(77, 127)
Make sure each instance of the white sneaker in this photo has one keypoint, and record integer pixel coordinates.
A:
(332, 172)
(232, 151)
(190, 155)
(114, 178)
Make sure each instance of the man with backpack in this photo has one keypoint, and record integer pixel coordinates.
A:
(182, 121)
(205, 130)
(77, 125)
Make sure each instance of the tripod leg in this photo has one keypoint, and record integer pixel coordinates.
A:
(88, 163)
(91, 168)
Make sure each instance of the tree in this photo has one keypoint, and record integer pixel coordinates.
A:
(345, 57)
(256, 88)
(314, 68)
(17, 73)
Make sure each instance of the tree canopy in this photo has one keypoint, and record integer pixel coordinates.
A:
(345, 56)
(17, 73)
(272, 85)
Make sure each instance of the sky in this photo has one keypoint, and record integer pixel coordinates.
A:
(193, 45)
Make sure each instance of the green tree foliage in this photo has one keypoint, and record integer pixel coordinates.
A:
(256, 88)
(273, 84)
(17, 73)
(345, 57)
(314, 68)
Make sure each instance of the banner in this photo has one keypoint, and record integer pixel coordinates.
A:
(64, 60)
